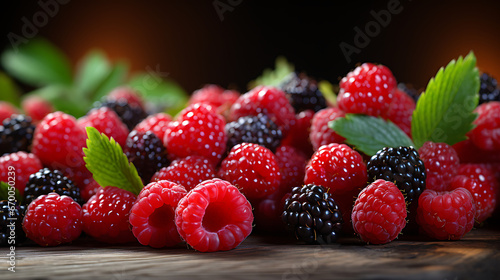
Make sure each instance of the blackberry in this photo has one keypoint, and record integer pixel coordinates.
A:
(11, 213)
(146, 151)
(46, 181)
(303, 93)
(410, 90)
(401, 166)
(313, 215)
(130, 115)
(258, 129)
(488, 90)
(16, 134)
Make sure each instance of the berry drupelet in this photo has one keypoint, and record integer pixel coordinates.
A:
(258, 129)
(303, 93)
(488, 90)
(7, 216)
(130, 114)
(46, 181)
(16, 134)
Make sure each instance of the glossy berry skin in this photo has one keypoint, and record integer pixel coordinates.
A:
(89, 190)
(198, 130)
(441, 164)
(268, 100)
(292, 163)
(468, 152)
(253, 169)
(36, 107)
(488, 91)
(17, 168)
(303, 93)
(106, 215)
(320, 133)
(187, 172)
(153, 215)
(379, 213)
(214, 216)
(7, 110)
(369, 90)
(446, 215)
(16, 134)
(11, 213)
(336, 167)
(130, 114)
(215, 96)
(46, 181)
(254, 129)
(401, 110)
(156, 123)
(298, 136)
(486, 134)
(106, 121)
(52, 220)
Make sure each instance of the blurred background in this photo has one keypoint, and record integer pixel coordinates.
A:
(230, 42)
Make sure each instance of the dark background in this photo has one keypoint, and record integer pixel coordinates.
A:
(188, 39)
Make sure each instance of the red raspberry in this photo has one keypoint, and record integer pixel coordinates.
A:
(36, 107)
(268, 100)
(153, 215)
(106, 121)
(156, 123)
(197, 131)
(187, 172)
(486, 134)
(369, 89)
(338, 168)
(106, 214)
(468, 152)
(132, 97)
(215, 96)
(400, 111)
(253, 169)
(17, 167)
(52, 220)
(58, 141)
(446, 215)
(267, 213)
(298, 136)
(7, 110)
(379, 213)
(292, 165)
(89, 190)
(214, 216)
(441, 164)
(321, 134)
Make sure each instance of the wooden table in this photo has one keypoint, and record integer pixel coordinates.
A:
(477, 256)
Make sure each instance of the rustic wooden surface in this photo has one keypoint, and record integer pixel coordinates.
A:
(477, 256)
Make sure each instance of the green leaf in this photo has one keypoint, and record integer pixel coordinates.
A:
(369, 134)
(37, 63)
(91, 72)
(108, 164)
(274, 77)
(328, 91)
(444, 112)
(64, 99)
(8, 90)
(115, 78)
(4, 192)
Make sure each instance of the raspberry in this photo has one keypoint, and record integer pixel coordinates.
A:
(303, 93)
(441, 164)
(36, 107)
(7, 110)
(253, 169)
(298, 136)
(129, 95)
(153, 215)
(488, 91)
(379, 213)
(446, 215)
(106, 215)
(214, 216)
(197, 131)
(400, 111)
(187, 172)
(89, 190)
(58, 141)
(267, 213)
(313, 215)
(253, 129)
(215, 96)
(18, 167)
(16, 134)
(468, 152)
(268, 100)
(11, 212)
(486, 134)
(320, 133)
(156, 123)
(369, 89)
(146, 152)
(52, 220)
(46, 181)
(292, 165)
(130, 114)
(410, 91)
(336, 167)
(106, 121)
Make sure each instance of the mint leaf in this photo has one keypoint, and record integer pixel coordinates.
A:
(108, 164)
(91, 72)
(9, 90)
(444, 112)
(369, 134)
(4, 192)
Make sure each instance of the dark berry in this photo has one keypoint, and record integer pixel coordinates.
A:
(16, 134)
(130, 114)
(488, 90)
(303, 93)
(313, 215)
(259, 130)
(410, 90)
(11, 213)
(46, 181)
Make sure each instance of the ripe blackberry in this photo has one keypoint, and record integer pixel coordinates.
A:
(303, 93)
(402, 166)
(130, 114)
(488, 90)
(259, 130)
(146, 151)
(7, 217)
(16, 134)
(313, 215)
(46, 181)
